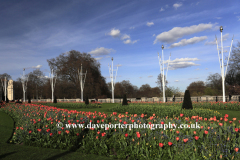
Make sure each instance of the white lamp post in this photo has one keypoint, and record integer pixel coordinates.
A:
(111, 77)
(51, 82)
(222, 66)
(80, 75)
(161, 63)
(24, 81)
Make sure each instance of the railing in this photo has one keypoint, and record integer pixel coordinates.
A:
(144, 99)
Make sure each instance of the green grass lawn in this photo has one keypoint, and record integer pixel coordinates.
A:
(11, 151)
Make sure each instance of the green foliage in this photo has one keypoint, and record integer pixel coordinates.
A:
(29, 99)
(124, 100)
(209, 91)
(187, 102)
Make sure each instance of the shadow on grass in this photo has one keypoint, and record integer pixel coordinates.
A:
(59, 155)
(6, 154)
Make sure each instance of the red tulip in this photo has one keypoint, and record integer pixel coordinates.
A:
(181, 115)
(196, 137)
(177, 132)
(162, 122)
(51, 134)
(185, 140)
(59, 132)
(236, 149)
(206, 132)
(169, 143)
(126, 135)
(161, 145)
(236, 129)
(138, 135)
(30, 132)
(220, 124)
(77, 134)
(177, 138)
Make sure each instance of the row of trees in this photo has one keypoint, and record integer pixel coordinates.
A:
(68, 84)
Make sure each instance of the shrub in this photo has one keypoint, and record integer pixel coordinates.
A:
(124, 100)
(29, 99)
(187, 103)
(55, 100)
(87, 101)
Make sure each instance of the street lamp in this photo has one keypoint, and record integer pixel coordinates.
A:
(24, 81)
(222, 66)
(80, 75)
(111, 77)
(51, 82)
(161, 63)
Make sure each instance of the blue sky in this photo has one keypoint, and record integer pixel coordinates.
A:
(132, 32)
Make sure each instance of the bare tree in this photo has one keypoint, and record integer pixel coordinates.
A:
(196, 88)
(234, 61)
(67, 65)
(159, 81)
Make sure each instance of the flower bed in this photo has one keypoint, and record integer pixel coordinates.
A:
(36, 126)
(72, 105)
(163, 110)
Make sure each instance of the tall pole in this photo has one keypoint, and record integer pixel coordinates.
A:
(5, 88)
(24, 84)
(80, 75)
(112, 82)
(222, 66)
(223, 80)
(161, 63)
(51, 82)
(163, 79)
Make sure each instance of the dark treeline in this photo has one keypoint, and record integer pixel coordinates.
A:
(68, 84)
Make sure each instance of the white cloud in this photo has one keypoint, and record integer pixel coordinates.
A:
(238, 18)
(197, 69)
(181, 63)
(98, 58)
(119, 65)
(128, 41)
(206, 68)
(176, 5)
(176, 80)
(140, 77)
(178, 32)
(162, 9)
(38, 66)
(150, 76)
(114, 32)
(125, 36)
(185, 42)
(154, 35)
(219, 40)
(166, 6)
(131, 27)
(218, 17)
(149, 24)
(101, 51)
